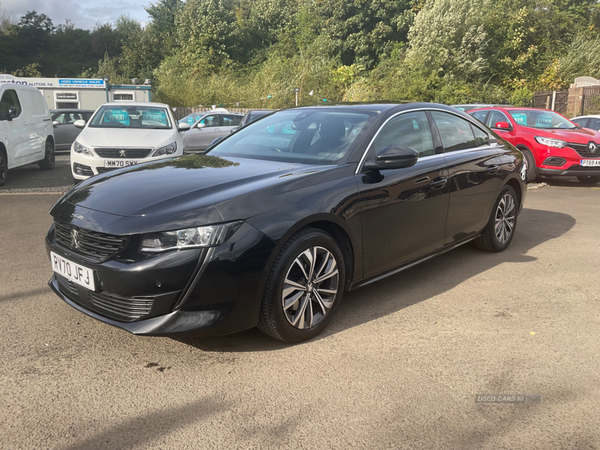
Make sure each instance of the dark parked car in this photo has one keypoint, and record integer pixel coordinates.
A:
(254, 115)
(63, 121)
(276, 221)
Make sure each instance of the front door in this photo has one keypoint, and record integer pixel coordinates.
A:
(16, 128)
(403, 210)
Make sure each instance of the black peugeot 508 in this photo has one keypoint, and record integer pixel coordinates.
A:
(275, 222)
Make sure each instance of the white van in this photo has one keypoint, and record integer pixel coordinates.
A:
(26, 134)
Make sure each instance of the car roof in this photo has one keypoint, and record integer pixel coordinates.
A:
(142, 104)
(71, 110)
(588, 116)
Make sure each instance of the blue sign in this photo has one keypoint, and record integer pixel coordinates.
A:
(80, 82)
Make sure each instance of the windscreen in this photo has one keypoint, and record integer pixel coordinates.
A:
(144, 117)
(541, 119)
(302, 136)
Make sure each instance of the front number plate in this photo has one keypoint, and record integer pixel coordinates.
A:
(73, 271)
(116, 163)
(590, 162)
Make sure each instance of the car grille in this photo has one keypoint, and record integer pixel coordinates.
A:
(123, 308)
(89, 244)
(584, 151)
(123, 152)
(68, 288)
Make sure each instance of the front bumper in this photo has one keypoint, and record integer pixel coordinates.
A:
(83, 167)
(204, 292)
(573, 171)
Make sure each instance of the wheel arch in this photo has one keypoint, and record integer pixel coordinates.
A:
(516, 185)
(332, 225)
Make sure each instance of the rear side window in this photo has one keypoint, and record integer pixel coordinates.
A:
(480, 115)
(9, 98)
(231, 120)
(456, 132)
(411, 130)
(481, 137)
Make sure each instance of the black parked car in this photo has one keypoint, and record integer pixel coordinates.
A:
(272, 225)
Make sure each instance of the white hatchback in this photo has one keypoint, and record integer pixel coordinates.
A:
(122, 135)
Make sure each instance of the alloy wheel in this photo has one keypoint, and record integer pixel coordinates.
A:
(310, 287)
(505, 218)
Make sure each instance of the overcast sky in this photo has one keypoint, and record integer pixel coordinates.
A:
(83, 13)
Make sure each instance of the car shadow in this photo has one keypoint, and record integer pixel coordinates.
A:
(412, 286)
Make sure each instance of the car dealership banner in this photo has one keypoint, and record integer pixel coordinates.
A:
(66, 83)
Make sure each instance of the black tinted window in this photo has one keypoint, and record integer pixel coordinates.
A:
(411, 130)
(9, 98)
(594, 124)
(456, 132)
(480, 115)
(481, 137)
(211, 121)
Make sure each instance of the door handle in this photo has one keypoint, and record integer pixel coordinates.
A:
(422, 180)
(438, 183)
(492, 168)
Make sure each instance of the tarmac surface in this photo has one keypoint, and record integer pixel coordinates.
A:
(400, 367)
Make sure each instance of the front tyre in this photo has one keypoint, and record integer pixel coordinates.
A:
(589, 179)
(304, 287)
(3, 167)
(500, 229)
(49, 157)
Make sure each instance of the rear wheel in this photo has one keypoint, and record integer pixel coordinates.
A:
(589, 179)
(3, 167)
(500, 229)
(49, 159)
(304, 288)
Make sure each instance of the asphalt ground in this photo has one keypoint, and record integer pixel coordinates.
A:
(400, 367)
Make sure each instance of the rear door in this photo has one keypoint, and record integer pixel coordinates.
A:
(202, 137)
(38, 119)
(229, 122)
(404, 210)
(474, 174)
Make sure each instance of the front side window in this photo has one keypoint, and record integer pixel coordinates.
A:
(480, 115)
(211, 121)
(541, 119)
(300, 136)
(582, 122)
(594, 124)
(495, 117)
(410, 130)
(456, 132)
(144, 117)
(9, 99)
(67, 118)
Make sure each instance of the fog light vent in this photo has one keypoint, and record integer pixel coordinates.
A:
(555, 161)
(80, 169)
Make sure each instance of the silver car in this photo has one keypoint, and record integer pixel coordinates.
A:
(210, 127)
(63, 121)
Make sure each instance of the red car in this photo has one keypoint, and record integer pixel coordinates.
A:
(552, 144)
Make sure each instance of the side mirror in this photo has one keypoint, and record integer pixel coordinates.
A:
(56, 122)
(215, 141)
(79, 123)
(393, 157)
(503, 126)
(184, 126)
(201, 125)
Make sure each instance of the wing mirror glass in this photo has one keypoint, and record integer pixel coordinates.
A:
(502, 126)
(393, 157)
(79, 123)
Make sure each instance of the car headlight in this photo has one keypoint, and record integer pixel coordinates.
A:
(199, 237)
(166, 150)
(550, 142)
(79, 148)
